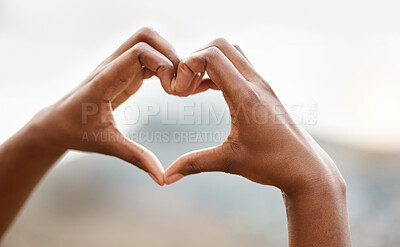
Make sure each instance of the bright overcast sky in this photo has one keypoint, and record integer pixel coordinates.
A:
(343, 56)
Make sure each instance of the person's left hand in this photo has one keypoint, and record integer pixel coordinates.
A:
(264, 145)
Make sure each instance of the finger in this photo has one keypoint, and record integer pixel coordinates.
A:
(136, 154)
(116, 76)
(220, 70)
(206, 160)
(205, 85)
(194, 84)
(150, 36)
(237, 59)
(121, 98)
(241, 52)
(134, 85)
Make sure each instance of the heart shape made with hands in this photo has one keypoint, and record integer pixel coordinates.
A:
(230, 71)
(213, 60)
(250, 100)
(263, 145)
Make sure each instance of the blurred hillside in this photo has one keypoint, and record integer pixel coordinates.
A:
(95, 200)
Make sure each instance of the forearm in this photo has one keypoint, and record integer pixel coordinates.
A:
(24, 159)
(317, 216)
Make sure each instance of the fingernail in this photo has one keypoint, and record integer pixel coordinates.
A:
(155, 179)
(197, 77)
(173, 178)
(173, 84)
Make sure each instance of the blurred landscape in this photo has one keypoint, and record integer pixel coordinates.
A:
(94, 200)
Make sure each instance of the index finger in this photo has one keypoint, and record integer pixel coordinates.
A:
(150, 36)
(218, 67)
(114, 79)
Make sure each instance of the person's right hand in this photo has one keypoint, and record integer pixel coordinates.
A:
(264, 145)
(83, 119)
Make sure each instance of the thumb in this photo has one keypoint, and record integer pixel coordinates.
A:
(134, 153)
(205, 160)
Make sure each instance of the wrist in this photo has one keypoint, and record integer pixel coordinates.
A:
(318, 192)
(321, 177)
(317, 213)
(28, 145)
(40, 132)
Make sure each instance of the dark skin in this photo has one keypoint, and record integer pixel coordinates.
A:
(264, 147)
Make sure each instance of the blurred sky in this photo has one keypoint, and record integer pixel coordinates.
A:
(342, 56)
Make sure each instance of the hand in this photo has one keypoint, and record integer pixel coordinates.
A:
(83, 119)
(264, 145)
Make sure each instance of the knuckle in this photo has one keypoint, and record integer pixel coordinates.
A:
(232, 148)
(183, 66)
(227, 167)
(165, 68)
(251, 95)
(220, 42)
(265, 84)
(183, 63)
(194, 166)
(145, 32)
(136, 158)
(165, 65)
(237, 46)
(175, 60)
(140, 47)
(133, 159)
(141, 151)
(343, 185)
(213, 52)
